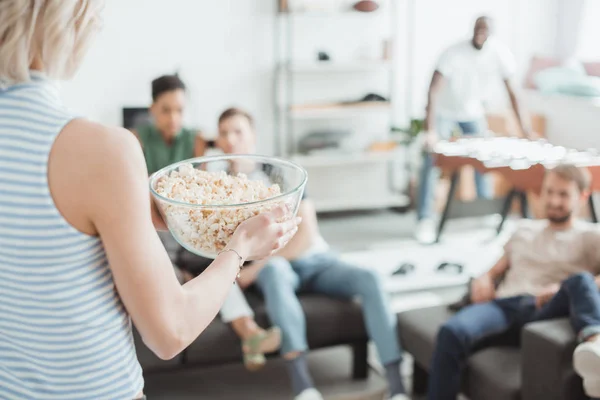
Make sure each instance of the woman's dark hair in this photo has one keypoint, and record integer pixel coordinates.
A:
(166, 83)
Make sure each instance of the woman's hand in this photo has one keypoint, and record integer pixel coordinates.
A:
(261, 236)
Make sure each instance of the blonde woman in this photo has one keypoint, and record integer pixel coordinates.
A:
(79, 254)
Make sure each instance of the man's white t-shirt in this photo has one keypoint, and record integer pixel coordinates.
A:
(470, 74)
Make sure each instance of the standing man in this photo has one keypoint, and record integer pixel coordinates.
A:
(461, 80)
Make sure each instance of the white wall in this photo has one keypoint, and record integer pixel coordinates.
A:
(225, 52)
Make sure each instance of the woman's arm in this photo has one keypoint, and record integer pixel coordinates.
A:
(107, 194)
(308, 232)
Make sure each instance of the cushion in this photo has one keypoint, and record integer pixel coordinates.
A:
(329, 322)
(547, 361)
(567, 80)
(418, 331)
(494, 374)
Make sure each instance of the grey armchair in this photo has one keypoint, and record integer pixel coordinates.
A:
(539, 369)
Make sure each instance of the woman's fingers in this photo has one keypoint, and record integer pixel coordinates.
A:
(277, 213)
(285, 238)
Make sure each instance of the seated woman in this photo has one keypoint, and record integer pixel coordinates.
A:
(166, 141)
(306, 262)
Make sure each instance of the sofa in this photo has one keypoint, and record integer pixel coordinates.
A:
(537, 368)
(330, 322)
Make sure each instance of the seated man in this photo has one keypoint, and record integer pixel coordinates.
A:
(307, 264)
(548, 271)
(166, 141)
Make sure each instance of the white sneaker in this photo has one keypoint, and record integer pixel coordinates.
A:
(586, 362)
(491, 221)
(309, 394)
(400, 397)
(426, 231)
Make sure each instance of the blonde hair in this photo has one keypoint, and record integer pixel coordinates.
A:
(53, 32)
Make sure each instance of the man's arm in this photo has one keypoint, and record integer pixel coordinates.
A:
(499, 269)
(199, 145)
(437, 82)
(484, 288)
(524, 123)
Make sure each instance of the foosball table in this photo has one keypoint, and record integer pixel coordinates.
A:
(521, 162)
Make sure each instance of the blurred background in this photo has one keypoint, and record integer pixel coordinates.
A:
(343, 93)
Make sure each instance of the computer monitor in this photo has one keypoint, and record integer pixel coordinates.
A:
(135, 116)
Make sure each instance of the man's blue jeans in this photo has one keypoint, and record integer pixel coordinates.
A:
(578, 298)
(326, 273)
(430, 174)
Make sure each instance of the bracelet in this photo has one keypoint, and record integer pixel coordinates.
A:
(240, 258)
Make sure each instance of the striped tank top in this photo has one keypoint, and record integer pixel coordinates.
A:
(64, 332)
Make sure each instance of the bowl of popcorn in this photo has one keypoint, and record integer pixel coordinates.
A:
(203, 200)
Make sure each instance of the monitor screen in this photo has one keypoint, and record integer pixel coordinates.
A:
(135, 116)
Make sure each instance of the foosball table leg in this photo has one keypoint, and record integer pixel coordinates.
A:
(592, 204)
(453, 185)
(524, 205)
(506, 209)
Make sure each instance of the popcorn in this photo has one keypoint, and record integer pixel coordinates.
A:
(208, 230)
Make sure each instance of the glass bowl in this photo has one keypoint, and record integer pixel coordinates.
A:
(202, 217)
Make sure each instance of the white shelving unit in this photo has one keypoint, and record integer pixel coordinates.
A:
(335, 111)
(371, 173)
(331, 159)
(340, 67)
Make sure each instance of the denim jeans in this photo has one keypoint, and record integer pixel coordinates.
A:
(430, 174)
(578, 298)
(326, 273)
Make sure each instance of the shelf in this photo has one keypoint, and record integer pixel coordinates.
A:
(347, 204)
(337, 110)
(340, 159)
(335, 67)
(345, 11)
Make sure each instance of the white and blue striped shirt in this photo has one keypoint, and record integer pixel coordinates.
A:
(64, 332)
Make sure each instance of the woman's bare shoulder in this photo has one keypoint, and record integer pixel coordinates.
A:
(86, 160)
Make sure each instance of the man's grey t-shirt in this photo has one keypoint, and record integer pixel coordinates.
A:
(540, 256)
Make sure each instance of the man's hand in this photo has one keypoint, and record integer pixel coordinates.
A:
(546, 294)
(483, 289)
(430, 138)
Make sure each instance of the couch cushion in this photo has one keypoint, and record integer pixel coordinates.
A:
(494, 374)
(329, 322)
(418, 331)
(547, 361)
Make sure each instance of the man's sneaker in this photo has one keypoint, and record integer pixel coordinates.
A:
(586, 362)
(400, 397)
(426, 231)
(309, 394)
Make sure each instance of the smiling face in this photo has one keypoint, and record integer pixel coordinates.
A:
(562, 198)
(481, 32)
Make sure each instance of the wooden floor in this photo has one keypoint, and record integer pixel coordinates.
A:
(330, 367)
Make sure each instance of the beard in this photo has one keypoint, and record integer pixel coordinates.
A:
(560, 218)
